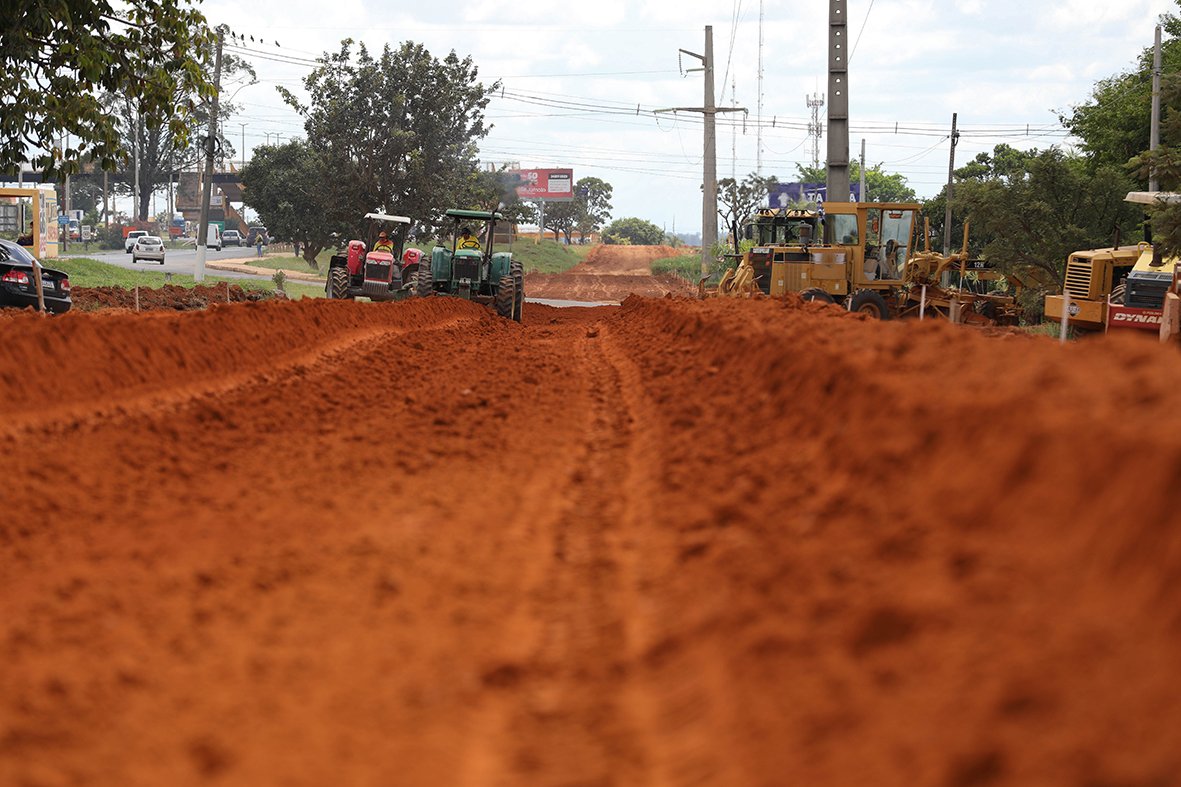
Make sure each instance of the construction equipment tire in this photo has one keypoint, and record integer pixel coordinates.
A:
(506, 297)
(424, 282)
(517, 271)
(816, 294)
(869, 302)
(338, 284)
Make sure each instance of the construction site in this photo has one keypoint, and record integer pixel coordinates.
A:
(675, 541)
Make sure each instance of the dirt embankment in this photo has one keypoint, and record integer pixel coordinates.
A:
(677, 542)
(170, 297)
(610, 273)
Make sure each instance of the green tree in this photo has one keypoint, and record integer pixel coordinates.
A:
(60, 56)
(1028, 210)
(633, 231)
(285, 184)
(594, 203)
(397, 131)
(1114, 123)
(882, 186)
(737, 200)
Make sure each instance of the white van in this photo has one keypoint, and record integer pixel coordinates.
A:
(213, 237)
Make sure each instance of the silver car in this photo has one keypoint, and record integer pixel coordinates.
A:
(148, 247)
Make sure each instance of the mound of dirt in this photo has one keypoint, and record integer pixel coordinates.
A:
(610, 273)
(675, 542)
(170, 296)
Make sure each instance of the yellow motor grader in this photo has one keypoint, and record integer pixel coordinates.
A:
(862, 255)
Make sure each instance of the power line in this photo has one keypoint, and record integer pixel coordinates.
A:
(859, 32)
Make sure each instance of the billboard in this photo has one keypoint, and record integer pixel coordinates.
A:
(549, 185)
(784, 195)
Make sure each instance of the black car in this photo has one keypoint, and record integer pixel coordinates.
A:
(18, 285)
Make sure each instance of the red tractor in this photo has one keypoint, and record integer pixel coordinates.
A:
(382, 271)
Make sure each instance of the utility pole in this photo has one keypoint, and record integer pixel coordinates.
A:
(210, 149)
(759, 110)
(864, 196)
(135, 168)
(243, 125)
(66, 238)
(1154, 133)
(106, 199)
(955, 137)
(838, 102)
(709, 186)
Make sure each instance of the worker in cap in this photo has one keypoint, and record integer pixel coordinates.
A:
(467, 240)
(383, 242)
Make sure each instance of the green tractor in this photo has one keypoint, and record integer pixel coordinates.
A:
(471, 269)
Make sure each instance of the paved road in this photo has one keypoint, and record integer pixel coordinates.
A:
(176, 260)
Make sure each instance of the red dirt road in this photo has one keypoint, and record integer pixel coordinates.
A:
(610, 273)
(673, 543)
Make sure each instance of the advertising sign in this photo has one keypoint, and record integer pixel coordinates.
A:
(550, 185)
(785, 195)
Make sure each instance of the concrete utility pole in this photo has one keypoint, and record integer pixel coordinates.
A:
(243, 125)
(955, 137)
(66, 238)
(207, 185)
(709, 186)
(838, 102)
(759, 109)
(1154, 133)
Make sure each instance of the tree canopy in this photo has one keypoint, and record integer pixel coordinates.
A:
(397, 131)
(285, 183)
(737, 200)
(882, 186)
(587, 212)
(59, 57)
(633, 231)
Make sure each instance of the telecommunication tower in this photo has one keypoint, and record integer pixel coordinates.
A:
(815, 128)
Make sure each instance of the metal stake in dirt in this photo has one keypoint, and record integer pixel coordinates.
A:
(923, 304)
(137, 297)
(1065, 316)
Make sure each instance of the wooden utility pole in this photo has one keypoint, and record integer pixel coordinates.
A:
(709, 186)
(955, 136)
(210, 149)
(838, 102)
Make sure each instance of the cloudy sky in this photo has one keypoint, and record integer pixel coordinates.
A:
(581, 81)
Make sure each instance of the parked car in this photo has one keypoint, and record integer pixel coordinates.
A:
(18, 287)
(233, 238)
(148, 247)
(131, 238)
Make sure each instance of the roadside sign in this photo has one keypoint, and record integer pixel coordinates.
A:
(550, 185)
(87, 232)
(784, 195)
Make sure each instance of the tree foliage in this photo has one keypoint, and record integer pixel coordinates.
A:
(737, 200)
(589, 209)
(59, 57)
(1029, 209)
(882, 186)
(284, 183)
(633, 231)
(397, 131)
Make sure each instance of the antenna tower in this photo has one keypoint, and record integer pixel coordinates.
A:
(815, 128)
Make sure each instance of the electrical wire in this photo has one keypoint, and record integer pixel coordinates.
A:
(859, 32)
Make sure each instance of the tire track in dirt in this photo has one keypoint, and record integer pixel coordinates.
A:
(610, 273)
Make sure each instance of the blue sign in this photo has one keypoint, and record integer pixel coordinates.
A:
(783, 195)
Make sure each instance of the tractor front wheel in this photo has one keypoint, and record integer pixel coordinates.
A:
(424, 283)
(506, 297)
(338, 284)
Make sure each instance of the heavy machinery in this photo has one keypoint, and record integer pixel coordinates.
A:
(477, 273)
(361, 269)
(864, 258)
(1116, 288)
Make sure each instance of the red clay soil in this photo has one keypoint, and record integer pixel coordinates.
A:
(170, 296)
(673, 543)
(610, 273)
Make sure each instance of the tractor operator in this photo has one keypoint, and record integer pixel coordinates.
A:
(467, 240)
(384, 243)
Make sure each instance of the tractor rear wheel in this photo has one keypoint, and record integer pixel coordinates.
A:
(506, 297)
(816, 294)
(424, 283)
(517, 271)
(338, 284)
(869, 302)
